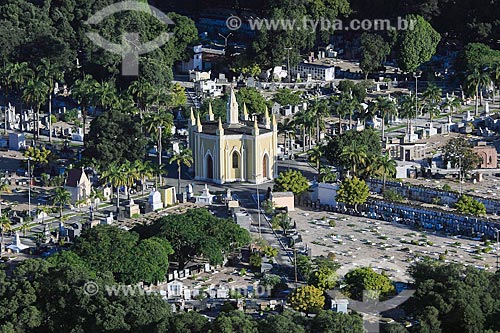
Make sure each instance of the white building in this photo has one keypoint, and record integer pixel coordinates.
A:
(78, 184)
(314, 71)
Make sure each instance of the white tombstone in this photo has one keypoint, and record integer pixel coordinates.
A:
(78, 135)
(108, 220)
(154, 201)
(468, 117)
(189, 191)
(487, 108)
(205, 198)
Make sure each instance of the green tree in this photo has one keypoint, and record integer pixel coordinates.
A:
(115, 136)
(408, 108)
(417, 44)
(355, 156)
(429, 320)
(282, 221)
(253, 99)
(255, 260)
(459, 153)
(145, 170)
(315, 154)
(129, 259)
(468, 205)
(308, 299)
(287, 96)
(114, 175)
(5, 226)
(374, 50)
(234, 322)
(198, 233)
(291, 181)
(84, 91)
(218, 107)
(386, 107)
(353, 191)
(329, 321)
(476, 80)
(324, 278)
(35, 95)
(365, 279)
(386, 167)
(61, 198)
(452, 103)
(49, 73)
(287, 322)
(40, 156)
(432, 100)
(183, 157)
(367, 138)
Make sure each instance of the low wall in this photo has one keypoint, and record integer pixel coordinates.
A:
(424, 194)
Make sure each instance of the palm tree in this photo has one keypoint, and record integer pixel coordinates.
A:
(407, 108)
(141, 91)
(386, 167)
(145, 170)
(315, 154)
(84, 92)
(45, 209)
(61, 198)
(156, 125)
(115, 176)
(6, 83)
(106, 95)
(287, 127)
(452, 103)
(24, 228)
(495, 77)
(35, 94)
(369, 167)
(49, 74)
(4, 188)
(474, 81)
(327, 175)
(20, 73)
(354, 155)
(432, 99)
(320, 110)
(301, 120)
(131, 174)
(345, 106)
(386, 107)
(5, 226)
(184, 156)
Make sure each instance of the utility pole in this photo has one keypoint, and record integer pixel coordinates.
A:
(258, 205)
(460, 173)
(159, 153)
(295, 264)
(498, 249)
(29, 187)
(288, 63)
(416, 76)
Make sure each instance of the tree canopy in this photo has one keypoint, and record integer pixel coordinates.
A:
(115, 136)
(129, 259)
(197, 233)
(417, 44)
(291, 180)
